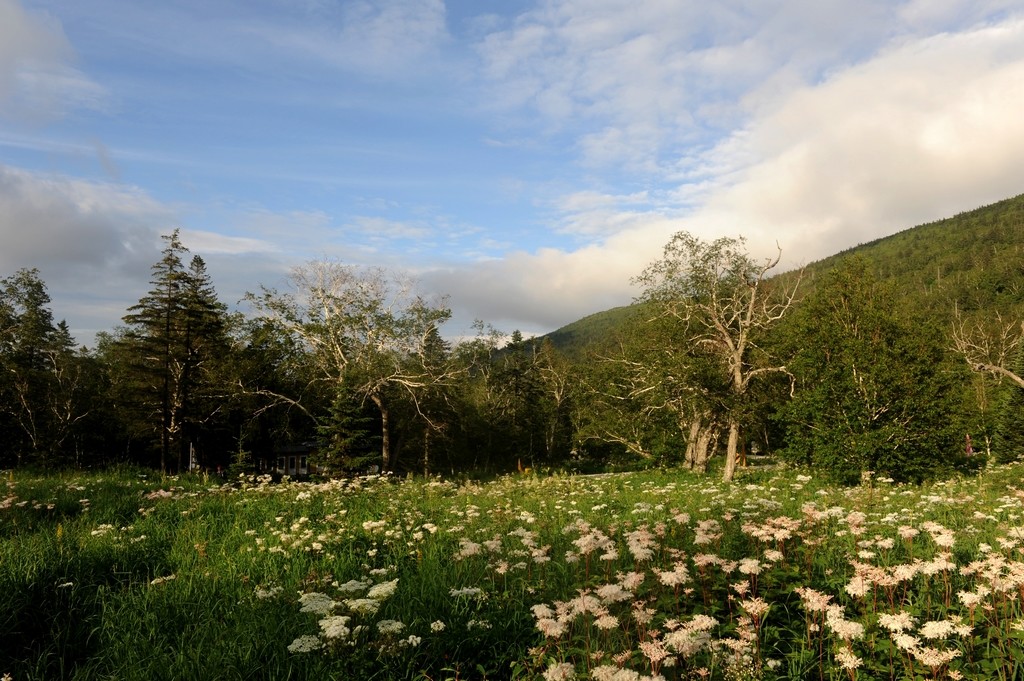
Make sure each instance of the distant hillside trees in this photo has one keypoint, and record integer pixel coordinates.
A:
(715, 357)
(876, 388)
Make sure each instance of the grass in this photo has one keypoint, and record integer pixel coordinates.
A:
(124, 575)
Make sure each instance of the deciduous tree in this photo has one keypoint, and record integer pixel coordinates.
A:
(719, 296)
(43, 384)
(364, 329)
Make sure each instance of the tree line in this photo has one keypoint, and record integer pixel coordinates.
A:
(716, 358)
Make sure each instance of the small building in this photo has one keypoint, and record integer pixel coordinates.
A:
(293, 460)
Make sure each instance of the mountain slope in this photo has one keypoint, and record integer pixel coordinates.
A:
(972, 263)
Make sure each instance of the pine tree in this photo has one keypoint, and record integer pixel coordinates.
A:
(1009, 436)
(350, 439)
(205, 347)
(174, 334)
(152, 336)
(876, 388)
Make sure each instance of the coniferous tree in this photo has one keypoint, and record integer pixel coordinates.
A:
(876, 388)
(349, 436)
(155, 358)
(173, 336)
(517, 402)
(205, 348)
(1009, 436)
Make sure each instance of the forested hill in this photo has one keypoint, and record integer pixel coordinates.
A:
(972, 262)
(590, 329)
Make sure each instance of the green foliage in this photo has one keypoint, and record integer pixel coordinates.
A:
(717, 294)
(643, 388)
(129, 576)
(44, 379)
(349, 438)
(969, 263)
(653, 384)
(876, 389)
(365, 329)
(592, 330)
(174, 339)
(1009, 435)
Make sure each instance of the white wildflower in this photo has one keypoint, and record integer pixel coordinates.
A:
(335, 626)
(386, 627)
(847, 659)
(936, 629)
(316, 602)
(383, 590)
(304, 644)
(560, 671)
(363, 606)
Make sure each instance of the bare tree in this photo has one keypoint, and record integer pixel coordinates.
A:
(364, 328)
(989, 348)
(649, 377)
(617, 408)
(718, 294)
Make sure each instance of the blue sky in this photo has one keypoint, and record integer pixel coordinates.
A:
(525, 158)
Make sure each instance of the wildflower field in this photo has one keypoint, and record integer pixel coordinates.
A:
(654, 575)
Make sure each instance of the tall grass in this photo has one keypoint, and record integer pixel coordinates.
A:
(649, 575)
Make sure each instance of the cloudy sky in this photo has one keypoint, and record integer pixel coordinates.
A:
(526, 157)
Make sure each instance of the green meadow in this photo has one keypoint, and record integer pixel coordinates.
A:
(649, 575)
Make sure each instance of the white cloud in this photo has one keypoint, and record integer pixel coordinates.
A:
(92, 242)
(921, 130)
(814, 123)
(212, 243)
(24, 40)
(72, 223)
(650, 82)
(382, 228)
(588, 200)
(919, 133)
(537, 292)
(374, 37)
(37, 79)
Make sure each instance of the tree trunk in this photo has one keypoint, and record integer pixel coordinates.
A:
(426, 452)
(385, 436)
(705, 443)
(699, 444)
(691, 444)
(730, 452)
